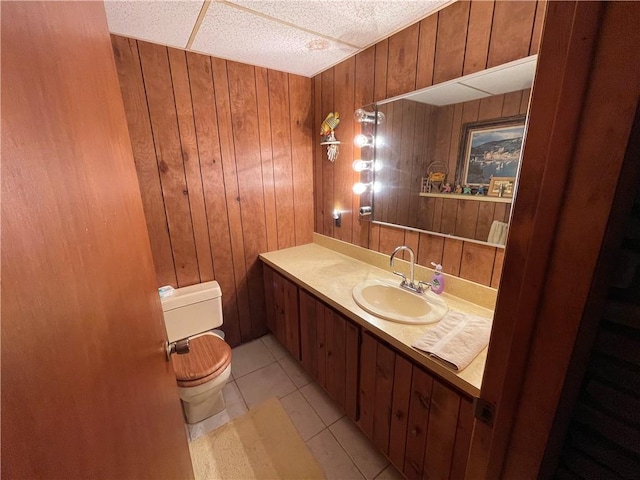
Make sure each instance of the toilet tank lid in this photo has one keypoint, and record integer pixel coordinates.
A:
(191, 294)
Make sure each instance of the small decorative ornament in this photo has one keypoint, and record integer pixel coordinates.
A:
(466, 190)
(328, 135)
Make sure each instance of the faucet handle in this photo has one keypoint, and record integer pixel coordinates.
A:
(419, 287)
(404, 279)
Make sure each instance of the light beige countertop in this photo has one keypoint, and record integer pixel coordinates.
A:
(330, 275)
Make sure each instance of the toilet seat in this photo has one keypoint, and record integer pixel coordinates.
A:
(208, 357)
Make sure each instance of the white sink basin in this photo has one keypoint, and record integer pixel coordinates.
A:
(389, 301)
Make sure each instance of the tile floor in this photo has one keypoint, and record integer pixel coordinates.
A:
(263, 369)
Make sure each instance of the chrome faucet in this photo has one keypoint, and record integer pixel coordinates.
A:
(408, 285)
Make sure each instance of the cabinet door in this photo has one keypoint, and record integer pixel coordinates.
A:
(400, 411)
(269, 297)
(291, 316)
(310, 309)
(419, 407)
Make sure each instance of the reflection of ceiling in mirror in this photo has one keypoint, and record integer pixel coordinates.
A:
(510, 77)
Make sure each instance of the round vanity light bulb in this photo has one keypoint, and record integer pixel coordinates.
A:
(359, 188)
(379, 141)
(360, 165)
(377, 186)
(361, 140)
(377, 165)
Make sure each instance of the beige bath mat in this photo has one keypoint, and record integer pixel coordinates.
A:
(262, 444)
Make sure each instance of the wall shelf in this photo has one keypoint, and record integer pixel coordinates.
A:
(476, 198)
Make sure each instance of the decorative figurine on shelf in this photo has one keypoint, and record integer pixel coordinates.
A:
(466, 190)
(458, 189)
(328, 135)
(446, 188)
(480, 190)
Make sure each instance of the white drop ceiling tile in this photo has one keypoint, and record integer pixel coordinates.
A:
(356, 22)
(235, 34)
(503, 80)
(165, 22)
(447, 94)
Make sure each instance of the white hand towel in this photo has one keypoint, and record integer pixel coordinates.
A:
(457, 340)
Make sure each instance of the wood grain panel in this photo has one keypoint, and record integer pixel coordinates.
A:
(344, 85)
(230, 174)
(352, 357)
(266, 157)
(321, 347)
(164, 124)
(426, 51)
(331, 364)
(452, 256)
(402, 61)
(380, 80)
(511, 32)
(246, 136)
(497, 268)
(300, 96)
(191, 162)
(478, 35)
(367, 383)
(318, 183)
(270, 303)
(363, 96)
(400, 411)
(477, 262)
(431, 249)
(385, 366)
(206, 122)
(328, 189)
(451, 42)
(308, 354)
(135, 106)
(82, 325)
(463, 440)
(443, 420)
(339, 357)
(418, 424)
(541, 9)
(292, 318)
(390, 238)
(467, 218)
(282, 168)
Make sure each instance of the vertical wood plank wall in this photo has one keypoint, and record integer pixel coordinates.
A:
(463, 38)
(223, 153)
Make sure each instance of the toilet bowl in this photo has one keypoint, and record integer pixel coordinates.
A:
(192, 312)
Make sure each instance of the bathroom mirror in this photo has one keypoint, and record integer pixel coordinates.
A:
(466, 132)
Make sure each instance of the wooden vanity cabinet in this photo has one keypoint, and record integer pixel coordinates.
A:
(329, 345)
(421, 424)
(282, 312)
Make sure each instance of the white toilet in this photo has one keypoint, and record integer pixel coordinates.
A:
(192, 312)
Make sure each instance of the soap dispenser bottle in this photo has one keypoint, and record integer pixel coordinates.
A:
(437, 282)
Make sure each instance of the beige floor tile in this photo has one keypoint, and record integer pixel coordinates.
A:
(295, 371)
(274, 346)
(390, 473)
(268, 382)
(364, 454)
(332, 458)
(250, 357)
(305, 419)
(235, 407)
(327, 409)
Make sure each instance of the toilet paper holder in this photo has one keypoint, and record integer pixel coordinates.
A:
(180, 347)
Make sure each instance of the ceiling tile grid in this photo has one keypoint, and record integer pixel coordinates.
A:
(358, 23)
(296, 36)
(235, 34)
(166, 22)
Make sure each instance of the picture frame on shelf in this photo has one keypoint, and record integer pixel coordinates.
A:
(501, 187)
(490, 148)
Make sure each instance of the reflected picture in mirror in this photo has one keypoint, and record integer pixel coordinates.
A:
(472, 129)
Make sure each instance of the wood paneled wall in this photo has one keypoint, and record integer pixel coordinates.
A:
(462, 38)
(223, 153)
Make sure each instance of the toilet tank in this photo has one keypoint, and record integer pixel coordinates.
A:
(192, 310)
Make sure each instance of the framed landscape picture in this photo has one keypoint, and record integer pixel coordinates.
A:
(490, 149)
